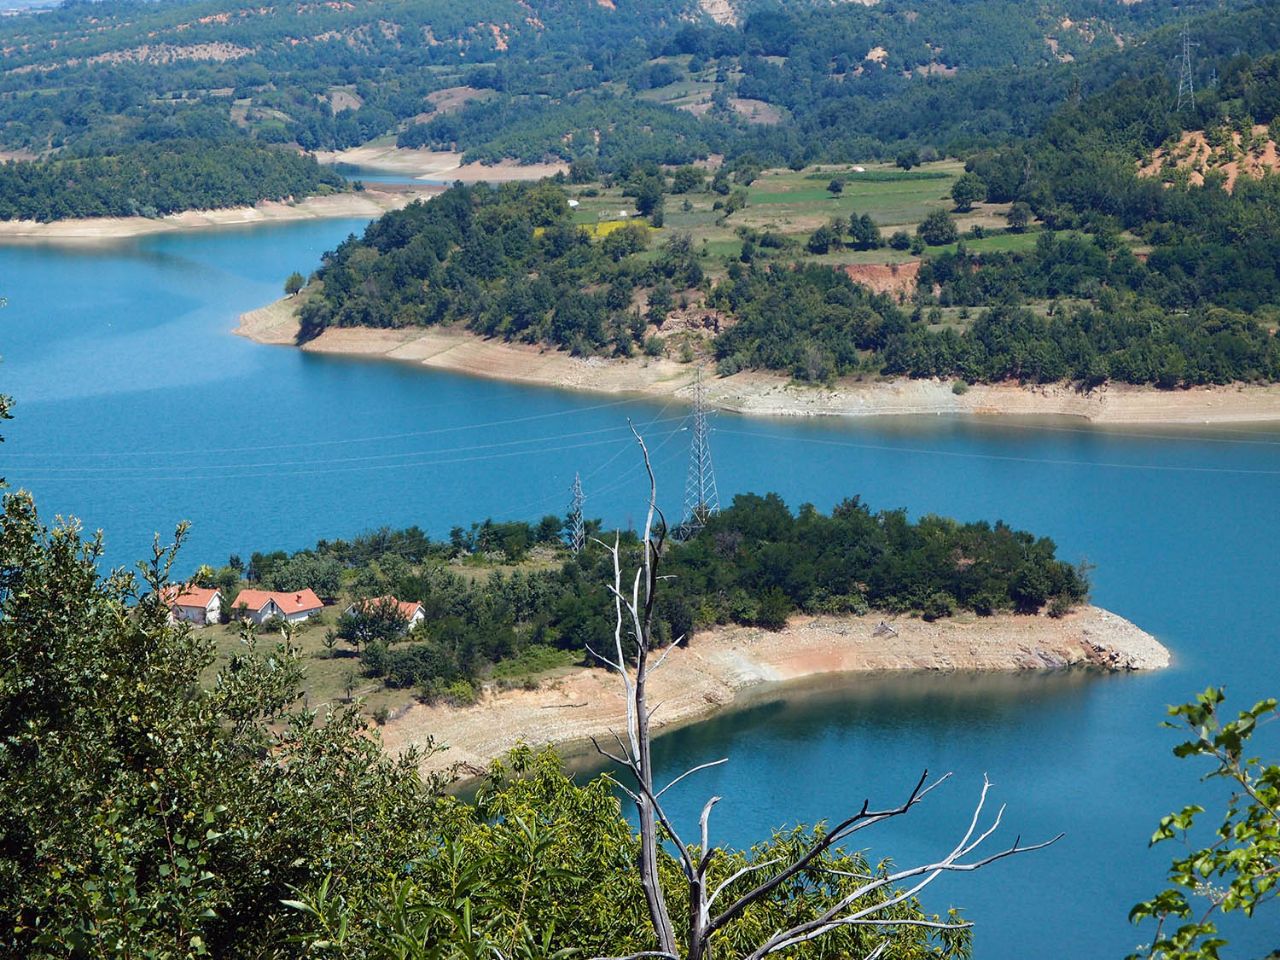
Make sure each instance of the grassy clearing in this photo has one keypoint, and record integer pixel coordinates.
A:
(994, 243)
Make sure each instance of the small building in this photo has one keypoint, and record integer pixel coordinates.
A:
(292, 605)
(412, 612)
(199, 605)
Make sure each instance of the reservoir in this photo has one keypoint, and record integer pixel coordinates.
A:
(137, 408)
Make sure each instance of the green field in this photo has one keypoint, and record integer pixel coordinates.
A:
(795, 203)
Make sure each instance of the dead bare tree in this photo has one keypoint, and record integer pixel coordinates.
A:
(868, 904)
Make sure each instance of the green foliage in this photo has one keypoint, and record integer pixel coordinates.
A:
(156, 179)
(1239, 870)
(294, 283)
(541, 867)
(968, 190)
(146, 811)
(377, 620)
(938, 229)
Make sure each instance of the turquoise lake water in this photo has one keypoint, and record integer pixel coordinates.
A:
(137, 408)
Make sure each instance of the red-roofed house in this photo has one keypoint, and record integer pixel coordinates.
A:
(291, 605)
(412, 612)
(199, 605)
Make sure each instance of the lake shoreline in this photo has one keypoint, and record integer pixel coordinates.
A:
(761, 393)
(443, 166)
(434, 168)
(372, 202)
(723, 666)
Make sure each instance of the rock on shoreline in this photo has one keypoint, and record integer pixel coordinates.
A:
(719, 664)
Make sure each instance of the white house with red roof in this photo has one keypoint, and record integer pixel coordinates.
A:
(198, 605)
(292, 605)
(411, 611)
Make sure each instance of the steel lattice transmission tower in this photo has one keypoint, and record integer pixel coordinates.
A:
(577, 526)
(700, 497)
(1186, 80)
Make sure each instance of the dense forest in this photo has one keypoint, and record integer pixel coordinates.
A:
(154, 180)
(785, 84)
(512, 263)
(755, 563)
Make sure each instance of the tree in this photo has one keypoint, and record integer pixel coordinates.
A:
(908, 159)
(661, 302)
(373, 621)
(147, 811)
(294, 284)
(866, 235)
(686, 179)
(1019, 216)
(938, 229)
(900, 240)
(1239, 870)
(649, 196)
(835, 187)
(795, 872)
(968, 189)
(822, 240)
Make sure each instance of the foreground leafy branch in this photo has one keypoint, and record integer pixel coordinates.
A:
(1239, 870)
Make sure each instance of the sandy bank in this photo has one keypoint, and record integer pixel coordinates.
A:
(718, 665)
(766, 394)
(370, 203)
(439, 165)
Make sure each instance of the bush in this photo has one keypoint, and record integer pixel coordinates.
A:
(773, 609)
(1060, 606)
(938, 605)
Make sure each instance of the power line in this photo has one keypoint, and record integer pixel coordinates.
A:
(701, 499)
(572, 411)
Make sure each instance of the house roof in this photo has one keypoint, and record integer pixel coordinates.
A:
(408, 608)
(289, 601)
(177, 596)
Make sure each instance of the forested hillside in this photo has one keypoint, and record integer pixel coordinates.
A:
(613, 83)
(150, 180)
(1074, 303)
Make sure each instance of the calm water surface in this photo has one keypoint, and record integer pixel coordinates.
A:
(137, 408)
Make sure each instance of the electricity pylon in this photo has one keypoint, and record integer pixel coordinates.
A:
(1186, 81)
(700, 497)
(576, 525)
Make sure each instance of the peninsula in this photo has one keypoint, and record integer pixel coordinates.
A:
(723, 664)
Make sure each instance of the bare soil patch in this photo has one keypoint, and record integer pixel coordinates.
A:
(718, 665)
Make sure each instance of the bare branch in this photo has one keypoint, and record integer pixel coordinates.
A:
(690, 772)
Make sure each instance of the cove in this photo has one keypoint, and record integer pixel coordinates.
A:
(136, 408)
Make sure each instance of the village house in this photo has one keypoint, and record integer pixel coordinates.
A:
(412, 612)
(291, 605)
(198, 605)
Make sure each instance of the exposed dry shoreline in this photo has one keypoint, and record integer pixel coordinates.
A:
(766, 394)
(438, 164)
(371, 203)
(719, 665)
